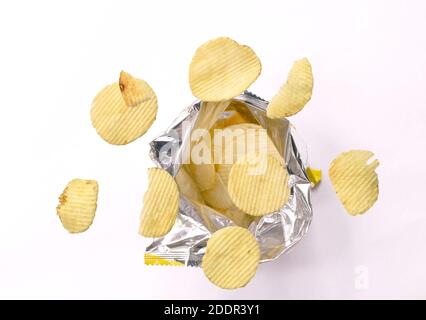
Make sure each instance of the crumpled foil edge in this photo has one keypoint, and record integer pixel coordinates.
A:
(276, 233)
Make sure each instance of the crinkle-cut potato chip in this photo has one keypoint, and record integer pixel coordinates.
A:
(258, 185)
(77, 205)
(222, 69)
(234, 141)
(233, 147)
(160, 204)
(355, 180)
(187, 186)
(134, 91)
(218, 197)
(295, 93)
(123, 112)
(232, 257)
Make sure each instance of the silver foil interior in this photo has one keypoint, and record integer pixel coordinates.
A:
(276, 232)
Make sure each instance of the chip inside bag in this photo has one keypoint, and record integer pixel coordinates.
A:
(202, 150)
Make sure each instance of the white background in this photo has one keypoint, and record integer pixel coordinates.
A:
(369, 63)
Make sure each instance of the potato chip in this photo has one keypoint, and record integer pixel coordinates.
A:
(237, 140)
(257, 185)
(237, 216)
(123, 112)
(222, 69)
(223, 171)
(201, 165)
(203, 174)
(77, 205)
(231, 258)
(245, 138)
(218, 197)
(160, 204)
(235, 113)
(134, 91)
(209, 113)
(187, 186)
(355, 180)
(295, 93)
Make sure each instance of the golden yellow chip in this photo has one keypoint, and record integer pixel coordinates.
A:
(223, 171)
(77, 205)
(160, 204)
(234, 141)
(231, 258)
(222, 69)
(187, 186)
(123, 112)
(201, 165)
(258, 184)
(218, 197)
(203, 174)
(355, 180)
(236, 113)
(134, 91)
(243, 139)
(295, 93)
(239, 217)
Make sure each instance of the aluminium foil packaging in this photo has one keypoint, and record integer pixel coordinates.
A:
(276, 232)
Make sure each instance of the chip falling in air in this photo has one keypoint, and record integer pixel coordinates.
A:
(232, 257)
(160, 204)
(222, 69)
(124, 111)
(258, 185)
(77, 205)
(355, 180)
(295, 93)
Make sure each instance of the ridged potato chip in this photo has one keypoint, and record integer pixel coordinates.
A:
(77, 205)
(232, 257)
(355, 180)
(218, 197)
(295, 93)
(222, 69)
(187, 186)
(134, 91)
(123, 112)
(160, 204)
(245, 138)
(257, 185)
